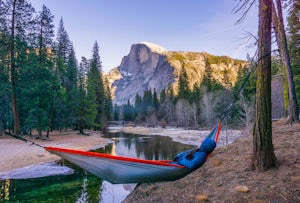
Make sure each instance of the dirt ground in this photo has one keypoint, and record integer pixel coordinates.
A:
(226, 176)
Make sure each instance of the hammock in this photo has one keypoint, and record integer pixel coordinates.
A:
(121, 170)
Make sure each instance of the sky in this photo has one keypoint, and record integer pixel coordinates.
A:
(177, 25)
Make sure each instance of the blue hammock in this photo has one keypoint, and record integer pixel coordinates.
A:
(121, 170)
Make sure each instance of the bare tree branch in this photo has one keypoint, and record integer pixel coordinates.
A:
(243, 7)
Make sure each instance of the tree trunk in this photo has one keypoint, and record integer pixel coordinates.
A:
(277, 20)
(263, 152)
(50, 120)
(13, 73)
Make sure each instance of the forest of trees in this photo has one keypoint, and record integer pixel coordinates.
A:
(42, 86)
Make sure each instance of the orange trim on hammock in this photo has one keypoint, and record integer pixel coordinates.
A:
(218, 132)
(119, 158)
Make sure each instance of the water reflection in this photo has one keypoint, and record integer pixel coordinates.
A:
(4, 193)
(82, 186)
(144, 147)
(77, 187)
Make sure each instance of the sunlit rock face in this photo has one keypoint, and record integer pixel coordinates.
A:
(145, 67)
(150, 66)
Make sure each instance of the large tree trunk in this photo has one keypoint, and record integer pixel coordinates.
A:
(13, 73)
(263, 152)
(277, 20)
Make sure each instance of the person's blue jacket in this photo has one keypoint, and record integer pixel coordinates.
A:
(193, 159)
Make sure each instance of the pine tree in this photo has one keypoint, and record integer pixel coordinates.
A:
(138, 105)
(128, 112)
(71, 87)
(208, 81)
(5, 100)
(96, 91)
(162, 96)
(155, 102)
(86, 105)
(108, 101)
(183, 85)
(20, 20)
(38, 74)
(195, 95)
(62, 51)
(116, 111)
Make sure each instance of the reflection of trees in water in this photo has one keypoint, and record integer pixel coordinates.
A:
(4, 192)
(159, 147)
(152, 148)
(77, 187)
(106, 150)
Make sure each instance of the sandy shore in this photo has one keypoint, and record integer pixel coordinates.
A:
(16, 154)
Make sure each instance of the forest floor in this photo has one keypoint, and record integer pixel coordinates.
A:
(227, 175)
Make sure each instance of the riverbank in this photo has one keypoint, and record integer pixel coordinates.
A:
(17, 154)
(191, 137)
(227, 177)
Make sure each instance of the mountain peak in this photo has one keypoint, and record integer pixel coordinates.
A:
(155, 48)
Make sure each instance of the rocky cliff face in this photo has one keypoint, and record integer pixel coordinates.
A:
(150, 66)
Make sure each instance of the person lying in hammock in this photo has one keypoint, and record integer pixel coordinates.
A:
(193, 159)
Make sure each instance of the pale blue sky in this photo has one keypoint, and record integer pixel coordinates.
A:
(177, 25)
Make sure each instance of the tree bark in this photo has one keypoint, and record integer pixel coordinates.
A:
(263, 151)
(277, 21)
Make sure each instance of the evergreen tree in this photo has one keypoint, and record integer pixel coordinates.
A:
(128, 112)
(195, 95)
(147, 103)
(116, 111)
(96, 91)
(155, 102)
(19, 16)
(71, 88)
(108, 101)
(38, 75)
(183, 85)
(138, 104)
(162, 96)
(86, 105)
(208, 80)
(5, 99)
(62, 51)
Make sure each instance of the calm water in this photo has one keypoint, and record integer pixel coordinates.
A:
(82, 186)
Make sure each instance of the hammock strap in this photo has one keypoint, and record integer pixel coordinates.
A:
(227, 110)
(23, 139)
